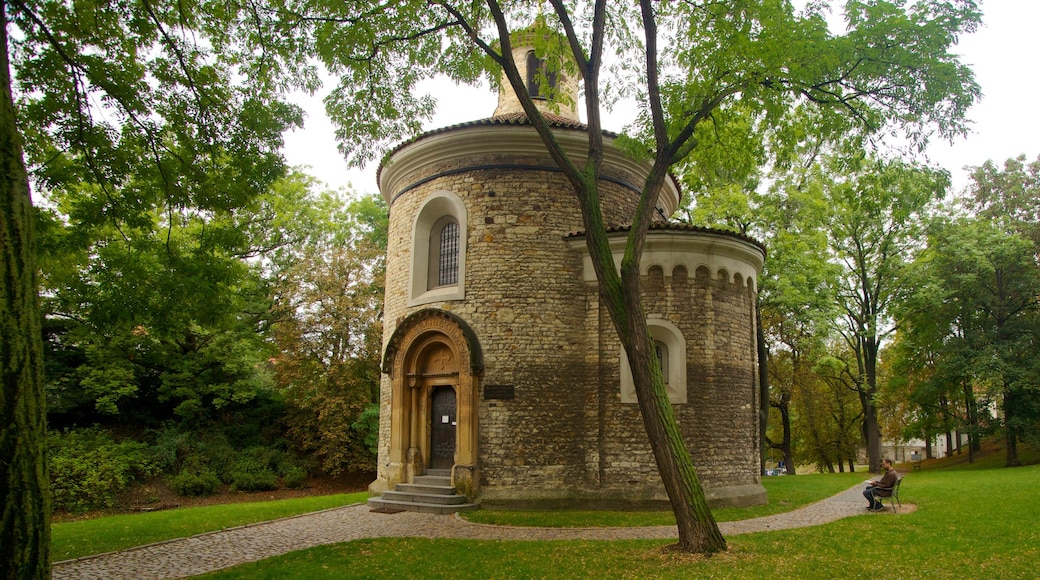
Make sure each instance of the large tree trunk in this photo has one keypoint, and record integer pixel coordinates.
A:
(872, 431)
(24, 488)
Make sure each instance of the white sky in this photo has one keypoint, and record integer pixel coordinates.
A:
(1003, 54)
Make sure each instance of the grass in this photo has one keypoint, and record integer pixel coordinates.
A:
(785, 494)
(973, 520)
(969, 523)
(106, 534)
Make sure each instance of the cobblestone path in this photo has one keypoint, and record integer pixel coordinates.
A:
(215, 550)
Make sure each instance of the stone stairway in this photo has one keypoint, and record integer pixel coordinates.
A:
(431, 493)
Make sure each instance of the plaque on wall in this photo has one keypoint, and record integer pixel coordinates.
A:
(499, 393)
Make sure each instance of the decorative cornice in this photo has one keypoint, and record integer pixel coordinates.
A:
(670, 245)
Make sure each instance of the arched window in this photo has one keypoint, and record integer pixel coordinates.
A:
(439, 250)
(535, 66)
(671, 353)
(444, 249)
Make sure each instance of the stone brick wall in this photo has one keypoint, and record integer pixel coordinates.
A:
(565, 434)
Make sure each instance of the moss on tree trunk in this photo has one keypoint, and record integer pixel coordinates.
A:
(24, 489)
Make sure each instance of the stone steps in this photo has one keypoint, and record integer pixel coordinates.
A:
(431, 493)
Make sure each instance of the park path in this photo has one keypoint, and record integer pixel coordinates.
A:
(215, 550)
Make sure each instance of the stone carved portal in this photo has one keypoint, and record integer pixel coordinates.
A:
(431, 381)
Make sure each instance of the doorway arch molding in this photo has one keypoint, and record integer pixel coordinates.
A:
(406, 361)
(433, 319)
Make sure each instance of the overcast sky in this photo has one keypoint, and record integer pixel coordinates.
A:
(1003, 54)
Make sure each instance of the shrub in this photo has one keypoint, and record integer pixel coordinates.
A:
(89, 468)
(253, 470)
(293, 476)
(253, 479)
(194, 483)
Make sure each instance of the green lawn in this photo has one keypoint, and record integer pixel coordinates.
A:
(785, 494)
(97, 536)
(106, 534)
(970, 523)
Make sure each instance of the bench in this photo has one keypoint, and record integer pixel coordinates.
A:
(895, 492)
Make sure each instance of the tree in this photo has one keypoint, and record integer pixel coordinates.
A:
(872, 235)
(329, 332)
(24, 488)
(978, 308)
(1010, 196)
(687, 62)
(131, 107)
(796, 300)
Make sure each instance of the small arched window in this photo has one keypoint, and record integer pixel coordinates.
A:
(670, 347)
(446, 253)
(535, 68)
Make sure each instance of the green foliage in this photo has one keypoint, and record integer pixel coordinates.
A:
(248, 476)
(194, 482)
(970, 329)
(89, 468)
(202, 461)
(368, 426)
(329, 333)
(258, 468)
(293, 476)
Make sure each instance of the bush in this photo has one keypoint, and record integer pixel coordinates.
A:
(89, 468)
(253, 479)
(194, 483)
(293, 476)
(254, 469)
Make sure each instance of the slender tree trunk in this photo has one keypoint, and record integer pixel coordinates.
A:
(871, 426)
(24, 488)
(763, 389)
(698, 531)
(785, 445)
(1010, 432)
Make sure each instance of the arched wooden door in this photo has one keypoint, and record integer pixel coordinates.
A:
(443, 424)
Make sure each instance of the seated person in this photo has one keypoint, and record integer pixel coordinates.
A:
(879, 488)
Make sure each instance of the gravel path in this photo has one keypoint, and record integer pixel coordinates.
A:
(215, 550)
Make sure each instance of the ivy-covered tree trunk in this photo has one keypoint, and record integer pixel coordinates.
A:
(24, 489)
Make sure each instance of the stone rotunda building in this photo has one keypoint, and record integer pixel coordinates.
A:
(503, 377)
